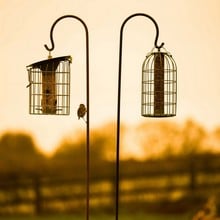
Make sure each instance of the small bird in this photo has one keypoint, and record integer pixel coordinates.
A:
(81, 111)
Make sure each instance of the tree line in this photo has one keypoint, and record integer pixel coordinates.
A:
(163, 139)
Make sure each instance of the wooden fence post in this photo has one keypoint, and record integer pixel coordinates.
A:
(38, 197)
(192, 174)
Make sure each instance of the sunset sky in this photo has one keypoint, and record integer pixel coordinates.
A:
(190, 30)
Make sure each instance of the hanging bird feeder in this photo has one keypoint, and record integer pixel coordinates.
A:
(159, 85)
(49, 86)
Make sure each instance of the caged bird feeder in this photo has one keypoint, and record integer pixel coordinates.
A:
(49, 88)
(159, 85)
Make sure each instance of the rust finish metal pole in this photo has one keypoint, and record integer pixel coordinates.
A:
(119, 103)
(87, 104)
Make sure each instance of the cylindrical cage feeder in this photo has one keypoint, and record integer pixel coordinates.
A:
(159, 85)
(49, 88)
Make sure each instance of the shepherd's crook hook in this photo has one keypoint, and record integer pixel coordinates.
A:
(54, 24)
(152, 19)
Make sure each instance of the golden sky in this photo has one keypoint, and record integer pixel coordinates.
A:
(189, 28)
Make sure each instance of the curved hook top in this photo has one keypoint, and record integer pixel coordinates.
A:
(54, 24)
(152, 19)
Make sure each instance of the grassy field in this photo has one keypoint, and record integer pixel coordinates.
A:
(100, 217)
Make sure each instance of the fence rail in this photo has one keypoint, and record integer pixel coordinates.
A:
(143, 186)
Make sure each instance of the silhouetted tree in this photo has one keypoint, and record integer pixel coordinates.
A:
(193, 137)
(103, 142)
(159, 138)
(216, 139)
(70, 156)
(19, 154)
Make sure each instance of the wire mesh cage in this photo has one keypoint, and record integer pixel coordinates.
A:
(49, 86)
(159, 85)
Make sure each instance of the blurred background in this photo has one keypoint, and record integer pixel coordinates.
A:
(169, 167)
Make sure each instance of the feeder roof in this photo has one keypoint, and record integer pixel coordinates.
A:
(51, 60)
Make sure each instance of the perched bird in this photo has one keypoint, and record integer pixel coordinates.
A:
(81, 111)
